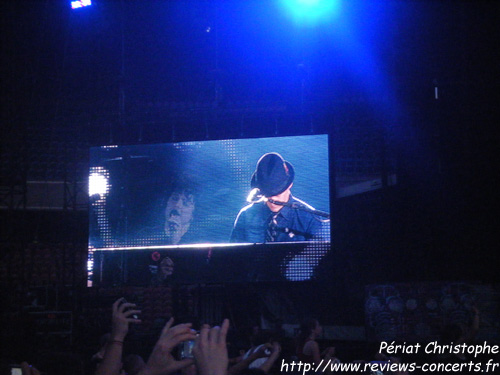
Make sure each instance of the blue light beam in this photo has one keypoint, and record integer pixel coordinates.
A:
(311, 12)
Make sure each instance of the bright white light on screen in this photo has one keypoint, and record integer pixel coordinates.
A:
(98, 184)
(80, 4)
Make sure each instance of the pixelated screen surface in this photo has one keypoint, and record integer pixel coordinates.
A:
(189, 195)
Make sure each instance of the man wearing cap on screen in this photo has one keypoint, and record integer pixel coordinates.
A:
(274, 214)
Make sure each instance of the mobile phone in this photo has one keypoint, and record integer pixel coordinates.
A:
(16, 370)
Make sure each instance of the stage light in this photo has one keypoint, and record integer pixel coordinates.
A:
(80, 4)
(98, 182)
(312, 11)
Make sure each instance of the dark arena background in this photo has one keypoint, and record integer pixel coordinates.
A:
(387, 110)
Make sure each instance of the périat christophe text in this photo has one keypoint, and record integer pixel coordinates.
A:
(435, 348)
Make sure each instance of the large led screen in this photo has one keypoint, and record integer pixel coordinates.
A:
(210, 194)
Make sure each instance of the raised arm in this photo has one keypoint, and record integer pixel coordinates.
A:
(122, 316)
(161, 361)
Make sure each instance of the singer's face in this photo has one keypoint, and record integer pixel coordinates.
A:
(179, 211)
(282, 197)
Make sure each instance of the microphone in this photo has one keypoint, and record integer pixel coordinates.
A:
(279, 203)
(300, 206)
(255, 196)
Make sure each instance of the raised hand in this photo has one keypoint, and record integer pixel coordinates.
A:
(123, 313)
(161, 361)
(210, 351)
(121, 317)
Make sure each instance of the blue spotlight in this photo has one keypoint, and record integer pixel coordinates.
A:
(312, 11)
(80, 4)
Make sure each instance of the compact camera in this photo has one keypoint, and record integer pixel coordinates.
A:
(186, 349)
